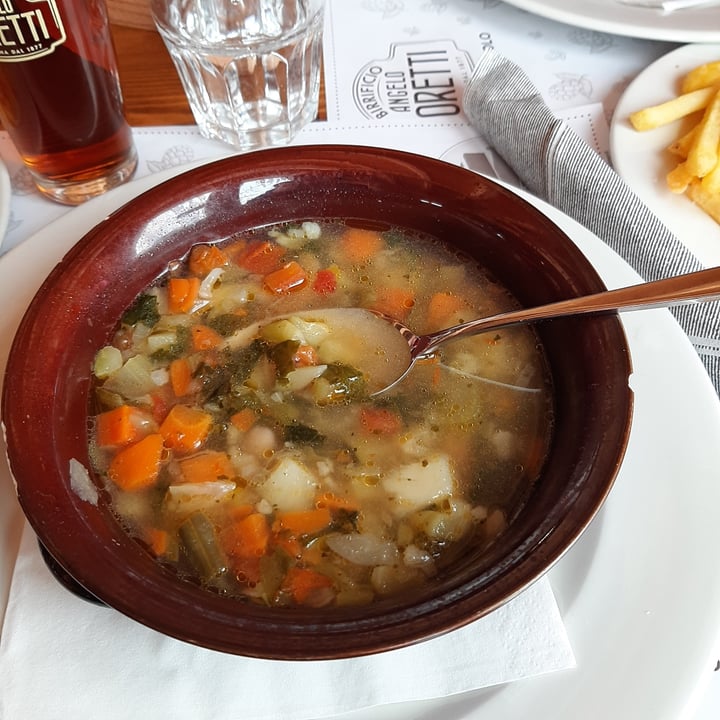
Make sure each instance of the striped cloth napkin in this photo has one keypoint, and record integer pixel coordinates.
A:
(560, 168)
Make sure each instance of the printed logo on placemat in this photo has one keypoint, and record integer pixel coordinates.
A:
(421, 80)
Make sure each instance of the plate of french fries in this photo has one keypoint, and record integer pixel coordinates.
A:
(665, 143)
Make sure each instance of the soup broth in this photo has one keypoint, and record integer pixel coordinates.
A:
(238, 442)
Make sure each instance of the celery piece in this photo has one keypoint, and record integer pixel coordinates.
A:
(199, 542)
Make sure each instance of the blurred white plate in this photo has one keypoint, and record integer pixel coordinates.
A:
(639, 592)
(610, 16)
(641, 157)
(5, 192)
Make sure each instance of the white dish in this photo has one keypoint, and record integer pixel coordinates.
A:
(644, 635)
(610, 16)
(641, 157)
(5, 193)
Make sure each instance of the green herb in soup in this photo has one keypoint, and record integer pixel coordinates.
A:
(239, 443)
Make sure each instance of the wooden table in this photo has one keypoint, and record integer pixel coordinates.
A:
(151, 86)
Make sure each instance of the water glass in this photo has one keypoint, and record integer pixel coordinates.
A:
(250, 68)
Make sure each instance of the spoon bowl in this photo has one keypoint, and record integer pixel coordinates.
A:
(395, 348)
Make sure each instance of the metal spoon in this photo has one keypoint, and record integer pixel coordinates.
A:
(408, 347)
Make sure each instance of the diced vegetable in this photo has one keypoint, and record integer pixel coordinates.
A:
(227, 323)
(182, 293)
(244, 419)
(261, 257)
(174, 343)
(397, 302)
(186, 498)
(442, 307)
(161, 342)
(185, 428)
(325, 282)
(290, 486)
(296, 329)
(447, 524)
(136, 467)
(391, 579)
(180, 376)
(335, 503)
(204, 258)
(201, 547)
(303, 522)
(419, 484)
(308, 587)
(360, 245)
(144, 310)
(159, 541)
(289, 277)
(338, 384)
(249, 537)
(205, 466)
(209, 283)
(204, 337)
(107, 361)
(363, 548)
(301, 434)
(380, 421)
(302, 377)
(132, 381)
(121, 426)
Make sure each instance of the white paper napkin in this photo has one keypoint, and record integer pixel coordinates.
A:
(62, 657)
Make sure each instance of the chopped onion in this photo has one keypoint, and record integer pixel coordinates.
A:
(301, 377)
(209, 282)
(161, 341)
(132, 380)
(186, 498)
(363, 548)
(107, 361)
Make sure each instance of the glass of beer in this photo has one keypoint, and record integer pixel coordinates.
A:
(60, 97)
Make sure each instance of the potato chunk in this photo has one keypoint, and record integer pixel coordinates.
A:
(290, 486)
(419, 484)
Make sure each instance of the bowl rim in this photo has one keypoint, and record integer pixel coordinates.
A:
(385, 626)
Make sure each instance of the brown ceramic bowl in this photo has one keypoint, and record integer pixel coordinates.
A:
(46, 390)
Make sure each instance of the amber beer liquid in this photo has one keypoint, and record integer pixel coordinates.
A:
(60, 97)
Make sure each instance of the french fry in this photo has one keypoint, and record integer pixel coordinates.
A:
(679, 178)
(708, 202)
(701, 77)
(711, 182)
(681, 106)
(681, 146)
(703, 155)
(697, 172)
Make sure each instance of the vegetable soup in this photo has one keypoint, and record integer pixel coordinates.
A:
(239, 444)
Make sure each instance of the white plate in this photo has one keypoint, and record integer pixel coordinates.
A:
(5, 193)
(641, 157)
(639, 592)
(700, 25)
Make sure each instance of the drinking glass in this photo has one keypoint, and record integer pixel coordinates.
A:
(60, 97)
(250, 68)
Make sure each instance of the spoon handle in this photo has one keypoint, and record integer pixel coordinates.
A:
(699, 285)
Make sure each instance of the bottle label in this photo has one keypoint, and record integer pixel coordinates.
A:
(29, 29)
